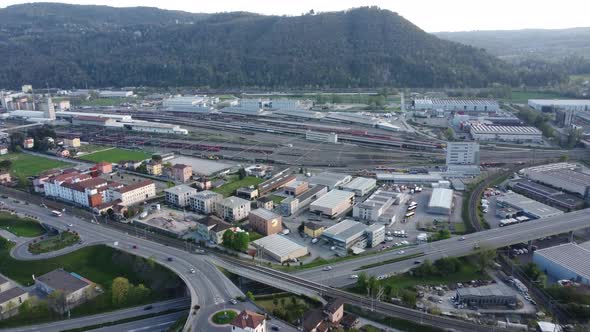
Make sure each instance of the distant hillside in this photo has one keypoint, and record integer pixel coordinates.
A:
(514, 45)
(74, 46)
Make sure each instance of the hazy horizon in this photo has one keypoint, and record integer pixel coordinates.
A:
(437, 16)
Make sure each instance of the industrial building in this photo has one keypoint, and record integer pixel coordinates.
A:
(529, 207)
(248, 193)
(233, 209)
(278, 181)
(412, 179)
(155, 127)
(319, 136)
(332, 204)
(345, 234)
(462, 153)
(565, 176)
(375, 235)
(547, 195)
(292, 205)
(441, 201)
(330, 180)
(296, 188)
(375, 208)
(72, 285)
(280, 248)
(353, 118)
(517, 134)
(548, 105)
(190, 104)
(456, 104)
(569, 261)
(114, 94)
(265, 222)
(313, 229)
(360, 186)
(179, 195)
(487, 296)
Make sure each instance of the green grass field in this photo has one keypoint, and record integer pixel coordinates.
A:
(20, 226)
(224, 317)
(25, 165)
(229, 188)
(522, 97)
(90, 148)
(116, 155)
(53, 243)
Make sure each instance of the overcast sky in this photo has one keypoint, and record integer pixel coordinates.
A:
(430, 15)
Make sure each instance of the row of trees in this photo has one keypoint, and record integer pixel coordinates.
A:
(125, 293)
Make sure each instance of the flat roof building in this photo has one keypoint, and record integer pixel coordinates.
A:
(265, 222)
(375, 207)
(278, 181)
(568, 261)
(179, 195)
(205, 201)
(334, 203)
(402, 178)
(547, 195)
(441, 201)
(360, 186)
(319, 136)
(554, 104)
(292, 205)
(330, 180)
(280, 248)
(484, 132)
(233, 209)
(485, 296)
(345, 234)
(565, 176)
(528, 206)
(457, 104)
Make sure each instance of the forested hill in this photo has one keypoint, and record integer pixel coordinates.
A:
(95, 46)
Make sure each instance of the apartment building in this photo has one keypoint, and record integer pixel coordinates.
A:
(179, 195)
(233, 209)
(134, 193)
(181, 172)
(205, 201)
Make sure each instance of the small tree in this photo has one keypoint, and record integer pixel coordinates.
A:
(250, 296)
(241, 173)
(57, 300)
(120, 289)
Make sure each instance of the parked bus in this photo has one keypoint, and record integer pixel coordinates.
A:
(56, 213)
(410, 214)
(412, 208)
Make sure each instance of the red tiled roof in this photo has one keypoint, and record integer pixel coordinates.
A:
(249, 319)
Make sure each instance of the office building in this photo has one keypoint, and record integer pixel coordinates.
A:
(564, 118)
(205, 201)
(374, 208)
(179, 195)
(568, 261)
(265, 222)
(441, 201)
(296, 188)
(319, 136)
(332, 204)
(529, 207)
(233, 209)
(565, 176)
(345, 234)
(375, 235)
(280, 248)
(549, 105)
(330, 180)
(360, 186)
(77, 188)
(462, 153)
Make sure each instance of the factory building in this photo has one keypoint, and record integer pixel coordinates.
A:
(319, 136)
(456, 104)
(360, 186)
(205, 201)
(332, 204)
(569, 261)
(280, 248)
(518, 134)
(352, 118)
(313, 229)
(179, 195)
(330, 180)
(547, 195)
(278, 181)
(296, 188)
(441, 201)
(233, 209)
(190, 104)
(292, 205)
(114, 94)
(375, 208)
(155, 127)
(529, 207)
(565, 176)
(486, 296)
(265, 222)
(548, 105)
(411, 179)
(345, 234)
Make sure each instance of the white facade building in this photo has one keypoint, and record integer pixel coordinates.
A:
(197, 104)
(457, 104)
(205, 201)
(115, 94)
(180, 195)
(133, 193)
(360, 186)
(462, 153)
(482, 132)
(153, 127)
(374, 207)
(576, 105)
(233, 209)
(441, 201)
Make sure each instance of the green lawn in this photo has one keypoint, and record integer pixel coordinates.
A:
(224, 317)
(276, 199)
(100, 264)
(53, 243)
(522, 97)
(25, 165)
(116, 155)
(229, 188)
(90, 148)
(254, 236)
(24, 227)
(285, 306)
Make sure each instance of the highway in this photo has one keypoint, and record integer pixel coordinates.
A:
(154, 324)
(106, 317)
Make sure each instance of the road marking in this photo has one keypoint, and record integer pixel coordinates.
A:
(150, 327)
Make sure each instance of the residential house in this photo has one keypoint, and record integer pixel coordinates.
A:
(154, 168)
(334, 310)
(248, 193)
(76, 288)
(28, 143)
(248, 321)
(104, 167)
(205, 201)
(265, 203)
(182, 173)
(212, 228)
(5, 177)
(3, 150)
(11, 299)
